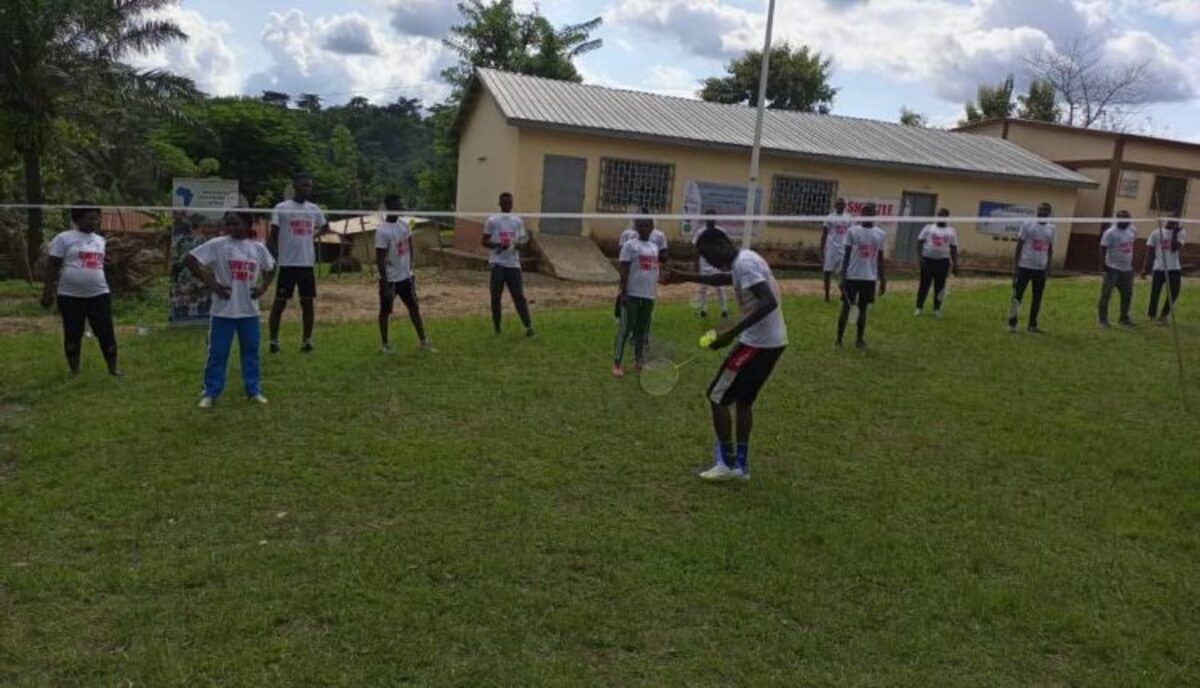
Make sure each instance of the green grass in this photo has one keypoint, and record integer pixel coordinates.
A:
(959, 507)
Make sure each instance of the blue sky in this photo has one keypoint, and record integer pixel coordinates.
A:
(928, 55)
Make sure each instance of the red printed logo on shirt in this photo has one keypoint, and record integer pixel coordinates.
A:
(301, 226)
(866, 250)
(840, 230)
(937, 240)
(506, 238)
(1040, 245)
(401, 248)
(91, 260)
(1126, 247)
(243, 270)
(648, 262)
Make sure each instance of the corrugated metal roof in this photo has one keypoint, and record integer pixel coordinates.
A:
(536, 102)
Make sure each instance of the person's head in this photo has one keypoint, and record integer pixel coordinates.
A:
(1123, 219)
(644, 227)
(709, 222)
(85, 216)
(868, 212)
(1173, 225)
(717, 249)
(393, 202)
(1044, 210)
(302, 187)
(506, 202)
(238, 225)
(840, 205)
(942, 215)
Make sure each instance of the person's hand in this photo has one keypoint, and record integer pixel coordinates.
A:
(882, 287)
(623, 299)
(47, 299)
(1145, 275)
(220, 290)
(256, 293)
(670, 276)
(724, 338)
(955, 270)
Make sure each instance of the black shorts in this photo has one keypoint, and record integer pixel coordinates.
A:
(859, 292)
(406, 290)
(743, 375)
(293, 277)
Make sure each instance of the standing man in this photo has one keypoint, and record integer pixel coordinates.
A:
(761, 337)
(502, 234)
(706, 268)
(1032, 260)
(393, 259)
(639, 267)
(937, 244)
(1116, 255)
(295, 225)
(833, 242)
(862, 267)
(1162, 253)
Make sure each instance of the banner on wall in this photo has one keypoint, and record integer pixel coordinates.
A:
(724, 199)
(190, 300)
(1019, 214)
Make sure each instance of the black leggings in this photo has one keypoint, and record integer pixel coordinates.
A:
(1159, 280)
(509, 277)
(96, 311)
(1024, 278)
(933, 273)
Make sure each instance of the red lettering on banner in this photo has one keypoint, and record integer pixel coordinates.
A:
(91, 260)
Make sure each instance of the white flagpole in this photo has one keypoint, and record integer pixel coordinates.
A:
(756, 151)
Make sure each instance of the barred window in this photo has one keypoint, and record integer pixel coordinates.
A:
(626, 184)
(802, 195)
(1170, 195)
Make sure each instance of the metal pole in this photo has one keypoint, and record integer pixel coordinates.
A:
(756, 150)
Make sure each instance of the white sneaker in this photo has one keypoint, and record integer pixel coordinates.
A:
(717, 473)
(739, 474)
(427, 347)
(258, 399)
(917, 313)
(937, 314)
(205, 403)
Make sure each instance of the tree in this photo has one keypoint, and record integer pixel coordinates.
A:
(309, 101)
(799, 80)
(58, 58)
(1039, 104)
(276, 98)
(497, 36)
(912, 118)
(992, 102)
(1093, 93)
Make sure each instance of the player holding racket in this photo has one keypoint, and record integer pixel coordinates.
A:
(639, 266)
(761, 336)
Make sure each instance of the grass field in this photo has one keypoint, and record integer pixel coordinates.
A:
(958, 507)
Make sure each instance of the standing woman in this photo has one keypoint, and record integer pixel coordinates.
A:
(76, 268)
(937, 244)
(231, 266)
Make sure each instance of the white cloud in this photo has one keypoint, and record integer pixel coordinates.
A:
(1183, 11)
(302, 62)
(429, 18)
(348, 34)
(205, 57)
(708, 28)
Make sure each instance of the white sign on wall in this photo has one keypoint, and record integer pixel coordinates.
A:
(723, 199)
(205, 193)
(1130, 184)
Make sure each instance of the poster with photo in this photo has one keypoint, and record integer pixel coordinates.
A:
(190, 300)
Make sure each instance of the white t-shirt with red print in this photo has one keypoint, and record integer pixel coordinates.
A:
(749, 270)
(1119, 244)
(1166, 258)
(298, 225)
(1039, 239)
(938, 241)
(237, 264)
(865, 244)
(82, 254)
(393, 237)
(642, 257)
(837, 225)
(507, 230)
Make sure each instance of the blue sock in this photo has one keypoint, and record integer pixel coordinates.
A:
(743, 456)
(727, 455)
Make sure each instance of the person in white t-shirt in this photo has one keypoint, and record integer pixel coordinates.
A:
(1033, 256)
(238, 270)
(75, 279)
(937, 244)
(639, 268)
(393, 259)
(833, 242)
(295, 226)
(1162, 257)
(761, 336)
(657, 237)
(1116, 255)
(502, 235)
(862, 268)
(706, 268)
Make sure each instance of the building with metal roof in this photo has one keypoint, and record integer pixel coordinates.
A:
(568, 147)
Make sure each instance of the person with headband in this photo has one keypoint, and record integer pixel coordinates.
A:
(393, 258)
(937, 244)
(503, 233)
(238, 270)
(1116, 255)
(833, 242)
(1031, 263)
(862, 268)
(295, 225)
(1162, 256)
(75, 279)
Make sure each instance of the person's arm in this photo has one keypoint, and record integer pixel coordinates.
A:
(824, 239)
(1050, 258)
(623, 270)
(1017, 256)
(766, 304)
(273, 241)
(882, 275)
(723, 279)
(268, 279)
(1148, 257)
(846, 262)
(381, 264)
(954, 259)
(206, 276)
(53, 271)
(1103, 250)
(486, 239)
(921, 250)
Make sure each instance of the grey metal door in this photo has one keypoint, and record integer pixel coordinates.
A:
(918, 205)
(563, 180)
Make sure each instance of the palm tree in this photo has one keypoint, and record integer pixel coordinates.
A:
(60, 57)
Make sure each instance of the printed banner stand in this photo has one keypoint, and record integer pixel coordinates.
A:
(724, 199)
(190, 300)
(1019, 214)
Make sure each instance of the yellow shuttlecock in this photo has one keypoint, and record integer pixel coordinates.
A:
(707, 339)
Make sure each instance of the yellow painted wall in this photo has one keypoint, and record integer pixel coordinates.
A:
(1062, 144)
(1165, 155)
(961, 194)
(487, 158)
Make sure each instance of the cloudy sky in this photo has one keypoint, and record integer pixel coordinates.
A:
(928, 55)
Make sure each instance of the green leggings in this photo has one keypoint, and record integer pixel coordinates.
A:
(635, 324)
